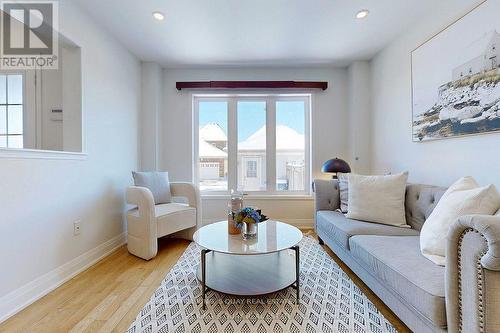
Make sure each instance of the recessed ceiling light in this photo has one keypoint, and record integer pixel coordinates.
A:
(362, 14)
(158, 16)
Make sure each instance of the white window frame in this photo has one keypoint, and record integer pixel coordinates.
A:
(232, 137)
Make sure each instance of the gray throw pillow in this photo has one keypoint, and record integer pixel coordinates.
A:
(156, 182)
(344, 191)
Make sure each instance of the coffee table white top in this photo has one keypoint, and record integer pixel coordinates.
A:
(273, 236)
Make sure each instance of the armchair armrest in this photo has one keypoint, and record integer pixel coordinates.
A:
(192, 194)
(473, 274)
(142, 229)
(188, 191)
(140, 196)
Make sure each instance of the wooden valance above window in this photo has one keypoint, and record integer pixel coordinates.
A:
(207, 85)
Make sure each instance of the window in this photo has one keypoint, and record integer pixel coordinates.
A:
(251, 169)
(252, 143)
(212, 147)
(11, 111)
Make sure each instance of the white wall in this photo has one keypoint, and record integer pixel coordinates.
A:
(40, 198)
(435, 162)
(359, 75)
(329, 131)
(152, 98)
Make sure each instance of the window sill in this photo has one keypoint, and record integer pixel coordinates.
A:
(301, 197)
(10, 153)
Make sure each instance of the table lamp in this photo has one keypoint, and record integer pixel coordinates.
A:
(335, 165)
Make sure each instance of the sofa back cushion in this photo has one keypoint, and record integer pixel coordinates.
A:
(420, 202)
(378, 199)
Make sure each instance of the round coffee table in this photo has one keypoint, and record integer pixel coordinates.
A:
(249, 267)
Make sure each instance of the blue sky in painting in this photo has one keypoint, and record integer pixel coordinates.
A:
(252, 116)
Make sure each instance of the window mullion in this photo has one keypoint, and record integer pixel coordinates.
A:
(232, 147)
(308, 157)
(271, 145)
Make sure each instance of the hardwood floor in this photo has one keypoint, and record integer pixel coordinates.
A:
(108, 296)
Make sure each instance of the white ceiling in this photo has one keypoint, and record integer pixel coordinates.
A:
(201, 33)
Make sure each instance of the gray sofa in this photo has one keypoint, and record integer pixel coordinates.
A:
(463, 297)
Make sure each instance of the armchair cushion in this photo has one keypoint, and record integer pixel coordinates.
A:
(170, 218)
(157, 183)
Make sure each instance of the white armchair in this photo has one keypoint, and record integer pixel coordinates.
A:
(148, 222)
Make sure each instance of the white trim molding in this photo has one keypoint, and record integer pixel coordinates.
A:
(20, 298)
(40, 154)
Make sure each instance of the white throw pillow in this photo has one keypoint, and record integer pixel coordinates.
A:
(379, 199)
(157, 183)
(464, 197)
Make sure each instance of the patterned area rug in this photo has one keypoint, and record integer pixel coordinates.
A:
(329, 302)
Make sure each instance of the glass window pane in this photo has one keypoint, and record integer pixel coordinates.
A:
(213, 145)
(3, 141)
(290, 145)
(15, 119)
(15, 141)
(15, 85)
(251, 145)
(3, 89)
(3, 120)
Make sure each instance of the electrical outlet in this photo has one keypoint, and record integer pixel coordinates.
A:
(77, 228)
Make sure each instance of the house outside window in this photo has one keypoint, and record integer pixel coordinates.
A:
(252, 143)
(11, 110)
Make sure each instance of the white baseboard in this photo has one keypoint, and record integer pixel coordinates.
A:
(20, 298)
(299, 223)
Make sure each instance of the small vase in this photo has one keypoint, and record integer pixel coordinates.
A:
(231, 227)
(249, 230)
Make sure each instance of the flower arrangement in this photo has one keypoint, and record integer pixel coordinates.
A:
(248, 215)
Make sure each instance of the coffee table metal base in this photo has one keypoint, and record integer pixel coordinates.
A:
(249, 275)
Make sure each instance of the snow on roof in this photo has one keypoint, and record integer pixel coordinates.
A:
(206, 150)
(286, 139)
(212, 132)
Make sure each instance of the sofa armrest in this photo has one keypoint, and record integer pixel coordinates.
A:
(326, 194)
(473, 274)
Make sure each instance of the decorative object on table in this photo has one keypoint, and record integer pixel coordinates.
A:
(456, 78)
(235, 206)
(247, 220)
(335, 165)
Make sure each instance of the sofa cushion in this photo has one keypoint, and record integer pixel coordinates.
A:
(397, 262)
(464, 197)
(379, 199)
(339, 228)
(343, 191)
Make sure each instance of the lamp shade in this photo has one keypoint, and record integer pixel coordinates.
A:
(336, 165)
